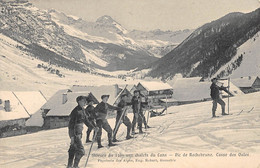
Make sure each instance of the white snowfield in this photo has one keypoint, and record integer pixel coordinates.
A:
(188, 129)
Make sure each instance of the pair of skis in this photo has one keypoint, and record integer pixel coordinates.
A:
(118, 123)
(246, 111)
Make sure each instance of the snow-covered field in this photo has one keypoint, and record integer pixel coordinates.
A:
(184, 129)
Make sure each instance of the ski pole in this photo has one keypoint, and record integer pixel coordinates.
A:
(93, 140)
(148, 114)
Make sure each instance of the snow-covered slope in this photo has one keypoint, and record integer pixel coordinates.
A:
(212, 46)
(185, 129)
(20, 72)
(249, 57)
(54, 38)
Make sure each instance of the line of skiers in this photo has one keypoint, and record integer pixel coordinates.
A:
(95, 118)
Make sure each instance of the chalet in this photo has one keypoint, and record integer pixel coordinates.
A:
(248, 84)
(57, 110)
(131, 88)
(114, 92)
(16, 109)
(191, 90)
(155, 91)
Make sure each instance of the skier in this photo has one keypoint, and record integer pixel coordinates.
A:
(90, 113)
(77, 118)
(216, 98)
(137, 105)
(101, 113)
(122, 104)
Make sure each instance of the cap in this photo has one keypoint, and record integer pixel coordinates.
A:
(214, 79)
(103, 96)
(123, 95)
(89, 99)
(79, 98)
(137, 91)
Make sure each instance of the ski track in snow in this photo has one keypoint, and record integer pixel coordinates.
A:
(184, 128)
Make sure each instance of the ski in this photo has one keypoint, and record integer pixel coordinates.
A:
(112, 146)
(250, 110)
(222, 115)
(240, 112)
(118, 123)
(246, 111)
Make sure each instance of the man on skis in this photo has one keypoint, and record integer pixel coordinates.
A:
(121, 115)
(137, 106)
(77, 118)
(90, 113)
(214, 93)
(101, 113)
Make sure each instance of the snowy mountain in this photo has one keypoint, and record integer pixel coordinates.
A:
(105, 40)
(214, 49)
(64, 45)
(175, 37)
(249, 55)
(39, 35)
(159, 42)
(107, 29)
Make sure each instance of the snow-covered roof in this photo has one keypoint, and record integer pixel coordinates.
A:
(65, 109)
(17, 110)
(233, 88)
(62, 109)
(98, 91)
(55, 99)
(189, 89)
(192, 80)
(31, 100)
(244, 81)
(35, 120)
(185, 90)
(130, 87)
(154, 85)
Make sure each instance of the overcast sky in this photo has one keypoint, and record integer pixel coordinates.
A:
(151, 14)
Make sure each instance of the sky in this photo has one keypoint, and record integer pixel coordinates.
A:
(151, 14)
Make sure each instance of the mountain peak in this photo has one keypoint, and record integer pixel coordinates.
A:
(105, 19)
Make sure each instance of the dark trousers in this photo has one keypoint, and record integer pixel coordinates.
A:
(76, 150)
(102, 123)
(127, 123)
(90, 128)
(138, 117)
(215, 104)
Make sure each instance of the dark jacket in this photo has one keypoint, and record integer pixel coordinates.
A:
(102, 108)
(121, 105)
(90, 112)
(214, 93)
(77, 116)
(137, 104)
